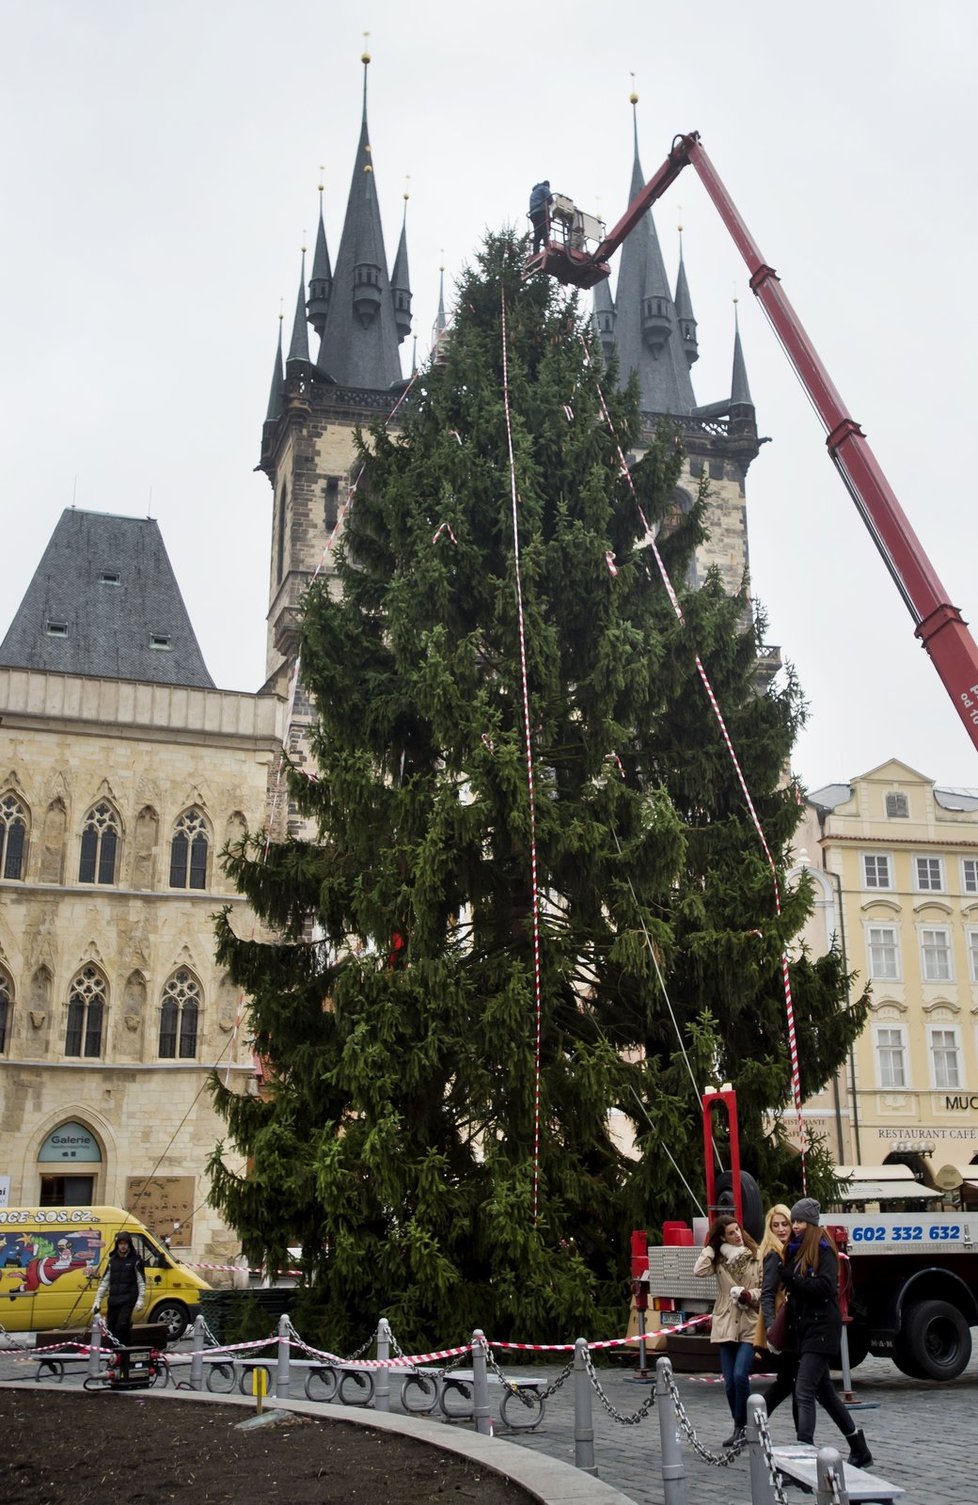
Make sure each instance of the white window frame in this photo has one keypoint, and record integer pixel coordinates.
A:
(901, 1046)
(969, 875)
(930, 946)
(945, 1029)
(928, 888)
(874, 975)
(865, 859)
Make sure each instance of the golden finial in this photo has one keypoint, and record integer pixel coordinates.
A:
(679, 211)
(322, 174)
(407, 183)
(365, 55)
(633, 97)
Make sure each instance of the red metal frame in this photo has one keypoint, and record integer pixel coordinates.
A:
(938, 624)
(725, 1098)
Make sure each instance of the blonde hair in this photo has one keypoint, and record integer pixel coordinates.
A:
(770, 1243)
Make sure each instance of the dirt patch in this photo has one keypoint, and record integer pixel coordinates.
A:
(75, 1449)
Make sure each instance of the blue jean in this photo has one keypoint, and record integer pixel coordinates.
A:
(736, 1360)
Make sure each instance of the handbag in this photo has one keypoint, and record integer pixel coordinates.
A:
(777, 1333)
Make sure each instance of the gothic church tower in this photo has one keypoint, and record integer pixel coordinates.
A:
(361, 315)
(653, 331)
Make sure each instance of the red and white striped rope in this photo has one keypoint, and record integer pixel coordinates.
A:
(400, 1361)
(728, 742)
(534, 890)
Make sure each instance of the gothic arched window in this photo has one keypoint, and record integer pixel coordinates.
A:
(6, 1005)
(13, 837)
(86, 1014)
(179, 1017)
(99, 845)
(188, 851)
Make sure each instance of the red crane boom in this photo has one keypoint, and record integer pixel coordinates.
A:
(938, 624)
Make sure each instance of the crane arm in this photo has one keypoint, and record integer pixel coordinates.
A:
(938, 624)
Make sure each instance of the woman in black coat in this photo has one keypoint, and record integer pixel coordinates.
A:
(810, 1275)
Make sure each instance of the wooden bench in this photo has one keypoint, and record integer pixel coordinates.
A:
(798, 1464)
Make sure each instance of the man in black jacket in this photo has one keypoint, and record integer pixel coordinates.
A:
(125, 1288)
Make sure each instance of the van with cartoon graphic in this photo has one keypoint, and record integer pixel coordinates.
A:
(52, 1258)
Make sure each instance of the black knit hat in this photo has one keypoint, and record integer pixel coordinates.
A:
(806, 1211)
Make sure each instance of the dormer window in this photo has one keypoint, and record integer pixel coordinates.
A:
(160, 641)
(110, 577)
(57, 629)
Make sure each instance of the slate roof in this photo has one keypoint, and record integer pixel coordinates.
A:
(102, 593)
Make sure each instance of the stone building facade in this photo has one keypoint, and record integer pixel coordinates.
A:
(117, 793)
(894, 861)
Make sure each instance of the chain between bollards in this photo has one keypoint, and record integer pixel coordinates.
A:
(830, 1478)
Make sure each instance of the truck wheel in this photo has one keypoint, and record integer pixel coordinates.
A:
(174, 1317)
(935, 1342)
(750, 1198)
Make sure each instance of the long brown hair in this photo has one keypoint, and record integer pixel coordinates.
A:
(808, 1253)
(715, 1237)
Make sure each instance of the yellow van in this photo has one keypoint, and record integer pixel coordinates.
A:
(52, 1258)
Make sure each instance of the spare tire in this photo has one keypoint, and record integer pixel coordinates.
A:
(751, 1201)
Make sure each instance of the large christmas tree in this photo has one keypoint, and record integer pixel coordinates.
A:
(536, 910)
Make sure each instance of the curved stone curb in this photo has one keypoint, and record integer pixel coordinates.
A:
(545, 1479)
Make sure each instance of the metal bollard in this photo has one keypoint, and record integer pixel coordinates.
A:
(583, 1420)
(480, 1384)
(197, 1362)
(827, 1461)
(382, 1383)
(761, 1480)
(95, 1340)
(673, 1472)
(282, 1358)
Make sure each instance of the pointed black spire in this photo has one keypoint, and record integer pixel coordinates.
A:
(401, 283)
(299, 346)
(360, 338)
(647, 334)
(684, 310)
(604, 318)
(739, 386)
(321, 281)
(276, 393)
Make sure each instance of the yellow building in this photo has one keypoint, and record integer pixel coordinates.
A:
(123, 772)
(894, 861)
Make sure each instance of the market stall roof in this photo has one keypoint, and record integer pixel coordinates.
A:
(882, 1183)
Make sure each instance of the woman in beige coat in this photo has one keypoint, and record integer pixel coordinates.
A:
(731, 1256)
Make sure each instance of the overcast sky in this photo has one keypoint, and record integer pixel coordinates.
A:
(160, 174)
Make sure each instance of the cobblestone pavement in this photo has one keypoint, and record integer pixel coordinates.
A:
(923, 1436)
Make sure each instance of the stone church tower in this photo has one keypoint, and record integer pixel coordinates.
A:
(361, 315)
(652, 329)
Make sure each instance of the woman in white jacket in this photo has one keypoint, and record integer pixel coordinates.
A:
(731, 1256)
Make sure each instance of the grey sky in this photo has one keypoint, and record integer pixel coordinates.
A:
(161, 169)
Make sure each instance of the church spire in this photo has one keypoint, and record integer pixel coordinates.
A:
(275, 394)
(647, 332)
(360, 337)
(299, 345)
(739, 388)
(684, 310)
(401, 282)
(321, 281)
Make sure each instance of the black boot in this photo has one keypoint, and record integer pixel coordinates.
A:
(859, 1454)
(737, 1436)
